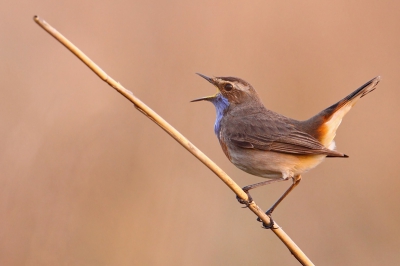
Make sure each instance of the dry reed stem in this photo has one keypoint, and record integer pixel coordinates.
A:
(294, 249)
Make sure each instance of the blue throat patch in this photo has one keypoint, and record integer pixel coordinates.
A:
(220, 103)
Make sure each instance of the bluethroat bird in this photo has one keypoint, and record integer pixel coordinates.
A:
(267, 144)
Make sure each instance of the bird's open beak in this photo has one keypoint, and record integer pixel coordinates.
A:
(211, 80)
(207, 98)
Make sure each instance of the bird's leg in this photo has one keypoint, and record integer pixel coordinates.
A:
(296, 181)
(256, 185)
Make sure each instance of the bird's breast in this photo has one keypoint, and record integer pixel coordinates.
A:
(224, 145)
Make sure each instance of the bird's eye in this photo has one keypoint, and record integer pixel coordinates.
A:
(228, 87)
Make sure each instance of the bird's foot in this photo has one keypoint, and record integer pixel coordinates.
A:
(245, 202)
(271, 223)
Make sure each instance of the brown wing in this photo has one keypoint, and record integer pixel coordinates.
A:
(270, 131)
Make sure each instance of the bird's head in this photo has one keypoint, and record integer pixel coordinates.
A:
(235, 90)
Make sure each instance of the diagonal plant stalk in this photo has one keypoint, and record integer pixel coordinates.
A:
(293, 248)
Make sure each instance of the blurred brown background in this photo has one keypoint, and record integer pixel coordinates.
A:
(85, 179)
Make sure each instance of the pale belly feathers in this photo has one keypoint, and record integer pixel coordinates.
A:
(273, 165)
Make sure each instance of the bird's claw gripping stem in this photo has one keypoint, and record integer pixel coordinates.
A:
(245, 202)
(271, 223)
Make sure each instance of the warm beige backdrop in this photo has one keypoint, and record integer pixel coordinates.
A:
(85, 179)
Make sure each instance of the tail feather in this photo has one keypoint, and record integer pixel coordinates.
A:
(354, 96)
(329, 119)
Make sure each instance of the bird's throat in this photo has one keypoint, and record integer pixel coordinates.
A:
(221, 104)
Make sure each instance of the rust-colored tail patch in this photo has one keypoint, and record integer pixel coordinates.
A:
(329, 119)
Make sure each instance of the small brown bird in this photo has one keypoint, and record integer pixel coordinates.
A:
(267, 144)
